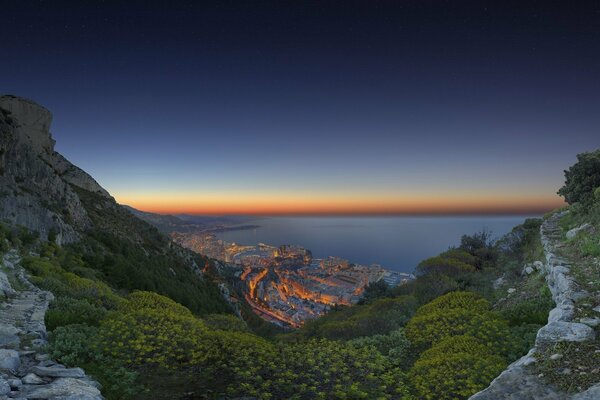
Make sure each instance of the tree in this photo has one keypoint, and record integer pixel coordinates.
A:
(581, 179)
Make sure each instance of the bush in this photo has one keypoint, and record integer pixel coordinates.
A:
(322, 369)
(225, 322)
(458, 313)
(67, 311)
(582, 179)
(379, 317)
(395, 346)
(151, 338)
(444, 374)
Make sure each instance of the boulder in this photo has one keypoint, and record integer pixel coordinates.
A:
(32, 379)
(63, 389)
(9, 360)
(528, 270)
(5, 288)
(57, 372)
(592, 393)
(559, 331)
(593, 322)
(9, 336)
(581, 228)
(563, 312)
(4, 387)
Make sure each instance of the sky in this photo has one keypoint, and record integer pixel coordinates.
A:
(314, 107)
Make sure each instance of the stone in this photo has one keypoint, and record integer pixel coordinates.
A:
(592, 393)
(564, 312)
(42, 357)
(511, 290)
(46, 363)
(55, 372)
(593, 322)
(581, 228)
(5, 288)
(9, 360)
(528, 270)
(556, 356)
(9, 336)
(32, 379)
(559, 331)
(597, 309)
(15, 383)
(498, 282)
(63, 389)
(538, 265)
(4, 387)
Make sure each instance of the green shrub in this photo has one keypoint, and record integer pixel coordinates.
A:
(458, 313)
(582, 179)
(67, 311)
(395, 346)
(151, 338)
(225, 322)
(453, 375)
(379, 317)
(75, 346)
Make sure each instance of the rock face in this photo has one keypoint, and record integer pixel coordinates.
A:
(518, 382)
(37, 182)
(27, 372)
(582, 228)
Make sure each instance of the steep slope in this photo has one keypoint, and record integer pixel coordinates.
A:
(44, 193)
(37, 181)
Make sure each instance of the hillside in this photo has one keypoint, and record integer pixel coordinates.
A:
(93, 291)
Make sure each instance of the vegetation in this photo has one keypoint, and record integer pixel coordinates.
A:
(132, 311)
(582, 179)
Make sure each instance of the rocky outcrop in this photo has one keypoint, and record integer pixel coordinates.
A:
(26, 372)
(518, 382)
(36, 181)
(582, 228)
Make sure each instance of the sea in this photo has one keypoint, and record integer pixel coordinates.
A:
(396, 243)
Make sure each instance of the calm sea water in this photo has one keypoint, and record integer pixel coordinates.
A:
(397, 243)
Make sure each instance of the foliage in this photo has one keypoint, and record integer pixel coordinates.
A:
(375, 290)
(74, 345)
(531, 310)
(582, 179)
(379, 317)
(66, 311)
(151, 337)
(445, 265)
(458, 313)
(455, 368)
(395, 346)
(225, 322)
(522, 338)
(49, 275)
(322, 369)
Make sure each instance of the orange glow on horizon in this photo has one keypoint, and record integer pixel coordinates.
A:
(287, 204)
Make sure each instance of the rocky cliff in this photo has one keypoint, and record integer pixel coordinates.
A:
(37, 183)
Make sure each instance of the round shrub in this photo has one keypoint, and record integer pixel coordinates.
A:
(446, 375)
(141, 300)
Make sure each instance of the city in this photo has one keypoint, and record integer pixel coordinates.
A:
(285, 284)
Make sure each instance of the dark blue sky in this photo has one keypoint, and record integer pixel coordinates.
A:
(197, 105)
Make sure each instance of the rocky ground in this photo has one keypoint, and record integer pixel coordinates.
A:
(26, 371)
(525, 379)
